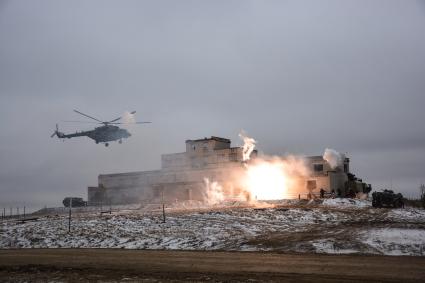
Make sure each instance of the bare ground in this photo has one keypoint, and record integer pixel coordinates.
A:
(116, 265)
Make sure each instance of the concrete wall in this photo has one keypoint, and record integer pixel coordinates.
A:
(328, 179)
(144, 186)
(182, 175)
(199, 158)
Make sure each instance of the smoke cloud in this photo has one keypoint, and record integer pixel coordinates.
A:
(333, 157)
(263, 178)
(128, 118)
(214, 193)
(248, 145)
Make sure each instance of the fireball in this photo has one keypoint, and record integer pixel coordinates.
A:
(266, 180)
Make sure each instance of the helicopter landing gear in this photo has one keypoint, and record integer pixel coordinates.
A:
(106, 144)
(120, 141)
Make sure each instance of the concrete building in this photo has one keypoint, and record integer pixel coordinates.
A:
(324, 177)
(182, 176)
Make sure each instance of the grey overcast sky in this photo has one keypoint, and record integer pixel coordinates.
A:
(298, 76)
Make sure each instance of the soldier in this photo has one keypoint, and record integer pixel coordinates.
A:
(322, 193)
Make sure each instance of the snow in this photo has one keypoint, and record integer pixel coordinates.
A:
(328, 246)
(337, 226)
(396, 241)
(344, 202)
(407, 214)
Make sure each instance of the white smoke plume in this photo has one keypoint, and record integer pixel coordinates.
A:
(213, 192)
(128, 118)
(248, 145)
(333, 157)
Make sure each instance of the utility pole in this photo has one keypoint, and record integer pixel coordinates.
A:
(24, 212)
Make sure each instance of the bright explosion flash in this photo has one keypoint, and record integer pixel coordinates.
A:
(266, 181)
(272, 178)
(261, 178)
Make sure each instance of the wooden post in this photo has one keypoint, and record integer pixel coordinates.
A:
(24, 212)
(163, 207)
(69, 219)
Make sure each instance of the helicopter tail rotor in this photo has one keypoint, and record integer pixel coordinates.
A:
(57, 133)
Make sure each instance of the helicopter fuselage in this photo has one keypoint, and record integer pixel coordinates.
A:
(103, 134)
(108, 133)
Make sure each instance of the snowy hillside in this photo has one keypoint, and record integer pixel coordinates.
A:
(332, 227)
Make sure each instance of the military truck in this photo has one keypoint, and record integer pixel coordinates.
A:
(76, 202)
(387, 198)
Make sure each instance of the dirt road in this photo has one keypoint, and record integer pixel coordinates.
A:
(181, 266)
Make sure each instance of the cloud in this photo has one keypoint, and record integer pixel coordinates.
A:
(297, 76)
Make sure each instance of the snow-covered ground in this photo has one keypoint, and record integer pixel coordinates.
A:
(335, 226)
(396, 241)
(345, 202)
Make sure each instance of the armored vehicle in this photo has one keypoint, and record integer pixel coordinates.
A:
(387, 198)
(76, 202)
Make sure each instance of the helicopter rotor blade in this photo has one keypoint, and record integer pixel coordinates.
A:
(84, 122)
(122, 123)
(114, 120)
(87, 116)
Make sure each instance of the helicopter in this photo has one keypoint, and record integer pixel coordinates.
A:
(104, 134)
